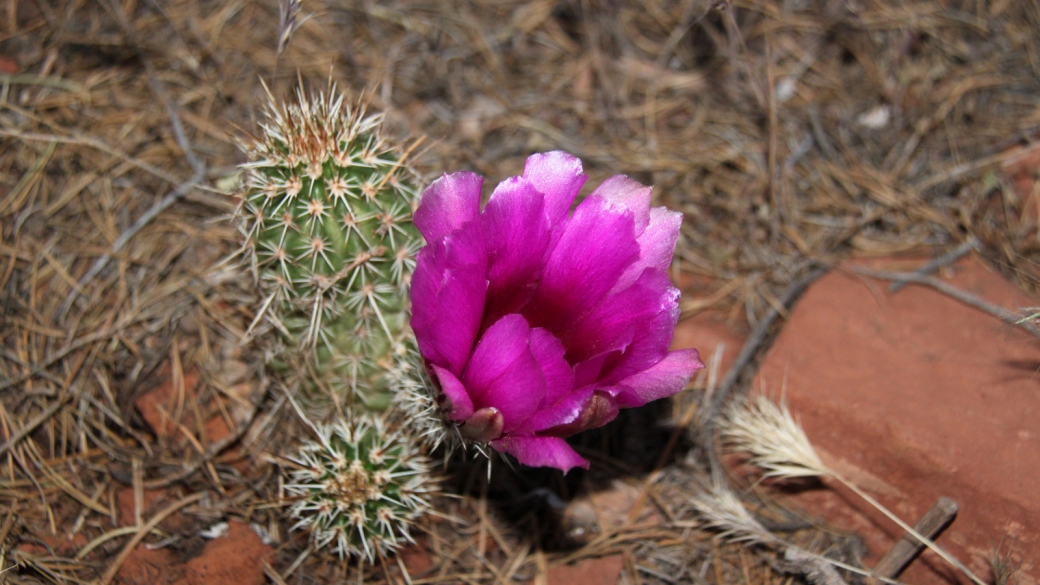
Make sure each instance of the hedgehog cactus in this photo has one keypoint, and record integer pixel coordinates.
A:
(360, 487)
(327, 214)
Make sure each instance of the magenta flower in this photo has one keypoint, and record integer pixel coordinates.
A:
(536, 324)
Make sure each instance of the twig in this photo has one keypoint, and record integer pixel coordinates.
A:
(31, 425)
(44, 81)
(907, 548)
(136, 540)
(946, 259)
(96, 144)
(964, 297)
(910, 530)
(214, 449)
(71, 347)
(170, 198)
(272, 574)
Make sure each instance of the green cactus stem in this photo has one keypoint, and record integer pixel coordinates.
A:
(327, 217)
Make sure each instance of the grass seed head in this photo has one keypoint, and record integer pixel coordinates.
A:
(775, 441)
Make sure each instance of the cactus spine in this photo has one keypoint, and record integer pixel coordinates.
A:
(360, 487)
(327, 216)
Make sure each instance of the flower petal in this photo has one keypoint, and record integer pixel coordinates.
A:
(461, 407)
(503, 374)
(649, 345)
(558, 176)
(564, 411)
(634, 196)
(656, 245)
(558, 374)
(616, 321)
(541, 452)
(594, 249)
(447, 204)
(665, 378)
(448, 292)
(516, 236)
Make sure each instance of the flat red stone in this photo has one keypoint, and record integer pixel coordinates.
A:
(914, 396)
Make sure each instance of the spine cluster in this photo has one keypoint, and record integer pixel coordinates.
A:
(359, 487)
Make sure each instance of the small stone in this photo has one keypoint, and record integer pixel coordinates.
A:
(601, 571)
(234, 558)
(416, 559)
(159, 405)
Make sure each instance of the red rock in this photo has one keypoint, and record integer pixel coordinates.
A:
(236, 558)
(601, 571)
(154, 501)
(914, 396)
(159, 405)
(60, 544)
(148, 567)
(416, 559)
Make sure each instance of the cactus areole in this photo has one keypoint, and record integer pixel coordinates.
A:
(327, 213)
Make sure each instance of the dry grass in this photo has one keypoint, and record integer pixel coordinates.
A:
(117, 142)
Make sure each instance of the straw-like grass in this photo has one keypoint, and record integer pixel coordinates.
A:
(778, 444)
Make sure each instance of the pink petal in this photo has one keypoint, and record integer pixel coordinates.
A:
(619, 318)
(503, 374)
(558, 176)
(516, 236)
(594, 249)
(447, 204)
(586, 373)
(650, 344)
(564, 411)
(461, 407)
(634, 196)
(541, 452)
(558, 374)
(656, 245)
(448, 291)
(665, 378)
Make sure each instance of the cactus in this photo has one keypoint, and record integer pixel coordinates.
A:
(327, 217)
(416, 406)
(360, 487)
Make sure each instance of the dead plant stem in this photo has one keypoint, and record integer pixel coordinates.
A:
(957, 294)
